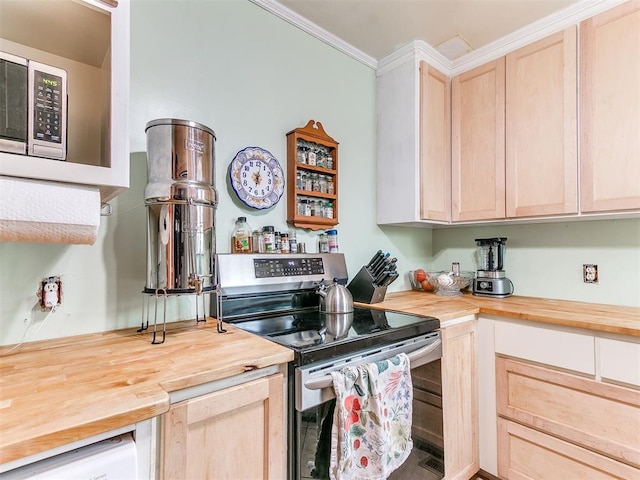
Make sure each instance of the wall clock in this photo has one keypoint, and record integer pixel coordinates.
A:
(256, 177)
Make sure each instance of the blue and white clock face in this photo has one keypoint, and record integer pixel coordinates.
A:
(257, 178)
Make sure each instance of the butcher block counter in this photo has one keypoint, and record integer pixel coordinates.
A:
(592, 316)
(56, 392)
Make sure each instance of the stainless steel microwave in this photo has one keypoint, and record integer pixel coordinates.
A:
(33, 108)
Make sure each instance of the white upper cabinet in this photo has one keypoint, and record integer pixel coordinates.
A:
(90, 40)
(610, 110)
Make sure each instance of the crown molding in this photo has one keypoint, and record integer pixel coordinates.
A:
(537, 30)
(416, 50)
(311, 28)
(419, 49)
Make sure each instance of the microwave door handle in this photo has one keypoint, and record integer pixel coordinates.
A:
(416, 358)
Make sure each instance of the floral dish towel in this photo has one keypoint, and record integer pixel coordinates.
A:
(371, 434)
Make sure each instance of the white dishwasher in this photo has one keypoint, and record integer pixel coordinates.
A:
(111, 459)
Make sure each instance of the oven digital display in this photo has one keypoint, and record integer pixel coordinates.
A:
(287, 267)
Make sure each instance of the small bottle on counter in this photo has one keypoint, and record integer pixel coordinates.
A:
(455, 269)
(242, 240)
(276, 242)
(268, 234)
(332, 236)
(293, 242)
(284, 243)
(323, 243)
(258, 242)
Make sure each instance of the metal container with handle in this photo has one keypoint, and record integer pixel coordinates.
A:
(336, 308)
(181, 200)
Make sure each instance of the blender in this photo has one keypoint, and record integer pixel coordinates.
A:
(490, 280)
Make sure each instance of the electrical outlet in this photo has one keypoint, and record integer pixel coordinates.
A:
(590, 273)
(50, 292)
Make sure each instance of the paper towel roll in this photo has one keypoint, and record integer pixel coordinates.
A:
(48, 212)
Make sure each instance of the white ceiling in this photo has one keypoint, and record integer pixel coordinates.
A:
(378, 27)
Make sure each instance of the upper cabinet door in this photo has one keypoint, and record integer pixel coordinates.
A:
(435, 144)
(610, 110)
(541, 137)
(477, 146)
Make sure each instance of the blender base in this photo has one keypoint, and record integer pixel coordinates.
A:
(492, 287)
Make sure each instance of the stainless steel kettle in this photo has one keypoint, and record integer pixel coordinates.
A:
(336, 306)
(334, 298)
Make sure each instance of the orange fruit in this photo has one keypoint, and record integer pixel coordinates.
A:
(420, 275)
(426, 285)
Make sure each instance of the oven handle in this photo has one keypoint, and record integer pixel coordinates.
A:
(415, 359)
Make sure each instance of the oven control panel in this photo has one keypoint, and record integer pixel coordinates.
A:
(287, 267)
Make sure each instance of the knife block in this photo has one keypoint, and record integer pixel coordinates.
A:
(363, 289)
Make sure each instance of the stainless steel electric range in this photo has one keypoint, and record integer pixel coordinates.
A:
(275, 296)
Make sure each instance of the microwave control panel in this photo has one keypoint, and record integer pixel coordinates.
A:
(47, 111)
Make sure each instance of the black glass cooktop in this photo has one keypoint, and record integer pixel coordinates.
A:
(305, 332)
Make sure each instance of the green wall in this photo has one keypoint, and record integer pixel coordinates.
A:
(252, 77)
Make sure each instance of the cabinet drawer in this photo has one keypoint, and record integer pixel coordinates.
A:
(525, 453)
(595, 415)
(569, 350)
(620, 361)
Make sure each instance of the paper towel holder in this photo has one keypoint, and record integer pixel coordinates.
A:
(106, 209)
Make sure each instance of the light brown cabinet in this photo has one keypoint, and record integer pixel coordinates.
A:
(541, 136)
(460, 400)
(514, 150)
(477, 143)
(237, 432)
(610, 110)
(435, 144)
(312, 177)
(552, 424)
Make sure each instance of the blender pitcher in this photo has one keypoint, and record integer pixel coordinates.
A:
(490, 254)
(491, 280)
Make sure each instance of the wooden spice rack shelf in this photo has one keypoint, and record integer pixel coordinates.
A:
(306, 147)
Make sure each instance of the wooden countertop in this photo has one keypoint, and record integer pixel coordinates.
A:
(59, 391)
(592, 316)
(56, 392)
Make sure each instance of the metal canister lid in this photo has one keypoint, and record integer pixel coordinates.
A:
(177, 121)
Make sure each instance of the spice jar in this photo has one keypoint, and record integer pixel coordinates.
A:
(323, 243)
(293, 241)
(268, 235)
(284, 243)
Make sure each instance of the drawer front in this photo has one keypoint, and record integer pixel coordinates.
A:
(595, 415)
(620, 361)
(524, 453)
(568, 350)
